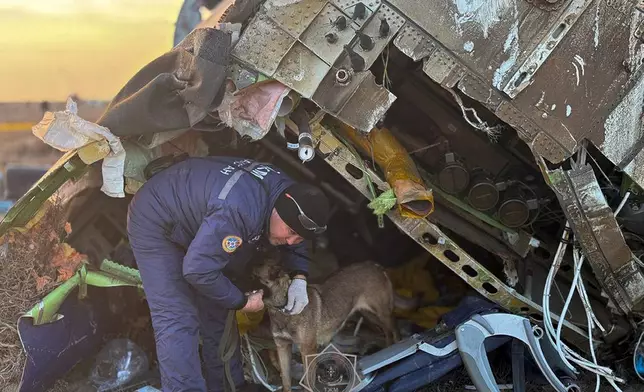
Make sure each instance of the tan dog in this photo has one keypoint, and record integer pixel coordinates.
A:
(363, 287)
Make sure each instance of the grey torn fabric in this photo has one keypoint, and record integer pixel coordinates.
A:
(176, 91)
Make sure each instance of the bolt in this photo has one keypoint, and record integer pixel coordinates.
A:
(331, 38)
(359, 12)
(442, 241)
(357, 62)
(384, 28)
(342, 76)
(366, 42)
(340, 23)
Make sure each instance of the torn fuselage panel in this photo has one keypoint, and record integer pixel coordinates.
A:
(290, 43)
(599, 235)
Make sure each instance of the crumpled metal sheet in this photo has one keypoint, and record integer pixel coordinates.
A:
(443, 68)
(367, 106)
(315, 35)
(286, 41)
(570, 74)
(414, 43)
(600, 237)
(263, 45)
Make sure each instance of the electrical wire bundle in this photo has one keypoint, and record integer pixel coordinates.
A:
(259, 369)
(568, 355)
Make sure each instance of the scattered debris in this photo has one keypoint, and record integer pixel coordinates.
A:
(33, 262)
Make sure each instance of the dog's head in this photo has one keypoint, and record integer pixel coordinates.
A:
(272, 275)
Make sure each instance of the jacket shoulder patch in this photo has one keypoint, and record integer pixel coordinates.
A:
(231, 243)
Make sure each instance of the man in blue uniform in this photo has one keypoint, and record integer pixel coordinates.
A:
(193, 227)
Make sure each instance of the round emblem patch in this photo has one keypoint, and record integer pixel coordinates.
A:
(231, 243)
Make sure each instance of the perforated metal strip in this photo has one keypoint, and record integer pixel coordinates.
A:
(430, 237)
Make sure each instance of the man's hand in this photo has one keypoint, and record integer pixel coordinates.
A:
(297, 296)
(255, 302)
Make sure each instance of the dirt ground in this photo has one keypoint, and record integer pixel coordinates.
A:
(25, 148)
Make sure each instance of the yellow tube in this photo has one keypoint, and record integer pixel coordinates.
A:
(413, 198)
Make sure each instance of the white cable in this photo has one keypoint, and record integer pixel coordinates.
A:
(621, 205)
(578, 264)
(262, 378)
(564, 351)
(492, 132)
(586, 302)
(589, 318)
(550, 332)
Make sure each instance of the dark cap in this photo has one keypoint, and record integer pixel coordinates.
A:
(313, 203)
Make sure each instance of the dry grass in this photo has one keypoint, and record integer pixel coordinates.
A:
(27, 272)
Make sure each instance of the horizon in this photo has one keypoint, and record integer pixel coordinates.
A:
(91, 48)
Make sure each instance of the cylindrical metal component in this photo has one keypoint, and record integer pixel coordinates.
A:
(366, 43)
(384, 28)
(340, 23)
(360, 11)
(331, 38)
(306, 152)
(453, 177)
(483, 194)
(514, 211)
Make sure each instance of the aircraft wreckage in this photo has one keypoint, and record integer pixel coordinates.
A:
(509, 131)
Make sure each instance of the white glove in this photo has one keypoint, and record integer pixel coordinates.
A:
(297, 297)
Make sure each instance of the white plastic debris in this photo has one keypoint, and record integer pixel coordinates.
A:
(119, 363)
(66, 131)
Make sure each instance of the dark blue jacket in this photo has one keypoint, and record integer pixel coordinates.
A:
(206, 206)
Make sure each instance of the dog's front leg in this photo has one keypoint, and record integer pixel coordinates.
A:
(308, 347)
(284, 348)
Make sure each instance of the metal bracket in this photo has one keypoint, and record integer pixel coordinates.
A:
(471, 336)
(600, 236)
(524, 75)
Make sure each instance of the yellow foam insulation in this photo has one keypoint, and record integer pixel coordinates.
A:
(413, 280)
(413, 197)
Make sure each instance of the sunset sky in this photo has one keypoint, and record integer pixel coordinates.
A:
(51, 48)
